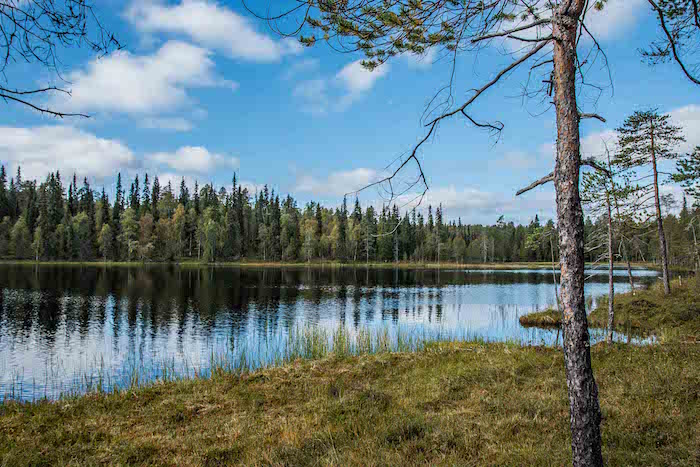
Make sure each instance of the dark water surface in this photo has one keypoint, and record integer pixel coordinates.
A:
(66, 328)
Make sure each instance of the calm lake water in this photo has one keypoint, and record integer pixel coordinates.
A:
(64, 329)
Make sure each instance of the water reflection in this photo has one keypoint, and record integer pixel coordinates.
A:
(59, 324)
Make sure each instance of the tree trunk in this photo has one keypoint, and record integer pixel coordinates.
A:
(611, 285)
(659, 221)
(583, 391)
(554, 274)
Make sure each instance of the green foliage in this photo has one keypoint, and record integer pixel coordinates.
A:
(689, 173)
(228, 226)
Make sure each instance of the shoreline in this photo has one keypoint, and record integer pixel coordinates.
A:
(318, 265)
(449, 403)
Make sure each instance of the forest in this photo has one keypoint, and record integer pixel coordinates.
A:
(150, 222)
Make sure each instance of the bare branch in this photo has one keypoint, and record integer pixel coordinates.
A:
(511, 31)
(542, 181)
(583, 116)
(590, 162)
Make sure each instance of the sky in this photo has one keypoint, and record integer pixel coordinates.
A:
(202, 89)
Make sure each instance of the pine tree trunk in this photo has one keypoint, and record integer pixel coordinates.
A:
(659, 222)
(583, 391)
(611, 285)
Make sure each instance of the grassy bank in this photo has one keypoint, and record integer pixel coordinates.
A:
(647, 311)
(466, 403)
(549, 318)
(676, 316)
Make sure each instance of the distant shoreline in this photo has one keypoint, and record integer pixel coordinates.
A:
(314, 264)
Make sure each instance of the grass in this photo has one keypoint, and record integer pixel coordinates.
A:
(647, 311)
(469, 403)
(549, 318)
(676, 316)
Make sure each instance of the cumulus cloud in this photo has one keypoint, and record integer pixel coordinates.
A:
(211, 25)
(194, 159)
(314, 94)
(615, 18)
(337, 183)
(688, 118)
(421, 61)
(476, 205)
(134, 84)
(304, 66)
(338, 93)
(357, 79)
(168, 124)
(43, 149)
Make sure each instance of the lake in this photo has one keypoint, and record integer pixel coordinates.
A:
(67, 329)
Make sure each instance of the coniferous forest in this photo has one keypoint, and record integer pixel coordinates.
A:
(72, 221)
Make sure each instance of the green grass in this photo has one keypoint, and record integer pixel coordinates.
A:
(643, 312)
(465, 403)
(676, 316)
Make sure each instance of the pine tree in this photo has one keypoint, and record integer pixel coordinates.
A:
(184, 198)
(146, 198)
(155, 200)
(646, 137)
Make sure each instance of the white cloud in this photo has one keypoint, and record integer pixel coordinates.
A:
(337, 183)
(357, 79)
(43, 149)
(194, 159)
(688, 118)
(304, 66)
(321, 95)
(616, 17)
(211, 25)
(122, 82)
(514, 160)
(169, 124)
(475, 205)
(421, 61)
(314, 94)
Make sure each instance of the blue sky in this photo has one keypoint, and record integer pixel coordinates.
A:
(202, 90)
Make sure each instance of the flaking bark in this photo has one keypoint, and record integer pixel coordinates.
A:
(582, 388)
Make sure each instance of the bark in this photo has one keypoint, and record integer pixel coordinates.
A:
(554, 276)
(582, 388)
(611, 285)
(659, 221)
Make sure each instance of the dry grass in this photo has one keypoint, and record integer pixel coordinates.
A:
(466, 404)
(549, 318)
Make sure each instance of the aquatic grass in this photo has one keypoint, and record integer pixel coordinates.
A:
(300, 343)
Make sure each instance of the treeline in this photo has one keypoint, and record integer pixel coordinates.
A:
(150, 222)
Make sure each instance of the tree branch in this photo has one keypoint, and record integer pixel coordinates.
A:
(671, 42)
(511, 31)
(542, 181)
(583, 116)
